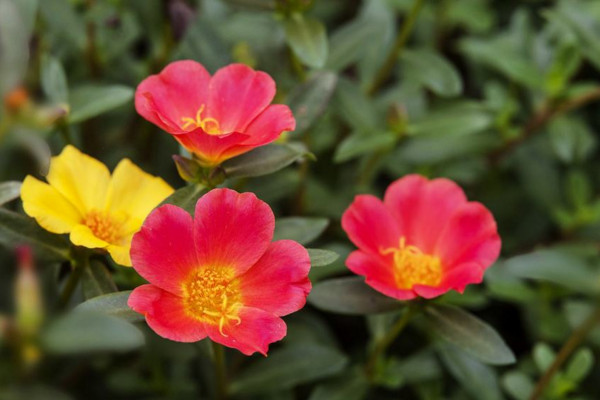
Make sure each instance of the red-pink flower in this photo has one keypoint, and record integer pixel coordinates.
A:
(424, 239)
(218, 275)
(216, 117)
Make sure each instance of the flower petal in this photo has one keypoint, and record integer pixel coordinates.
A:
(49, 208)
(163, 251)
(177, 92)
(120, 254)
(165, 314)
(369, 225)
(256, 331)
(212, 149)
(278, 282)
(81, 179)
(269, 124)
(232, 229)
(237, 95)
(81, 235)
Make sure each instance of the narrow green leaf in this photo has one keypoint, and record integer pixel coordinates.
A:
(433, 71)
(9, 191)
(89, 101)
(33, 143)
(113, 304)
(354, 106)
(79, 332)
(350, 42)
(14, 44)
(307, 38)
(321, 257)
(186, 197)
(544, 356)
(304, 362)
(350, 386)
(264, 160)
(54, 80)
(469, 333)
(350, 295)
(460, 119)
(96, 280)
(301, 229)
(358, 144)
(309, 100)
(580, 365)
(16, 229)
(518, 384)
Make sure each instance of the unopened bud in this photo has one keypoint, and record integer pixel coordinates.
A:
(28, 299)
(16, 99)
(188, 169)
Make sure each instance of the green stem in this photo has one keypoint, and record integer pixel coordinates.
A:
(65, 131)
(401, 40)
(78, 264)
(220, 371)
(387, 340)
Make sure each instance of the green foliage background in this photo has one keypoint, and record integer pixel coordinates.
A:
(500, 96)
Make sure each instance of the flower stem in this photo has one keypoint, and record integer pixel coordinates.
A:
(387, 340)
(78, 264)
(388, 65)
(565, 352)
(221, 373)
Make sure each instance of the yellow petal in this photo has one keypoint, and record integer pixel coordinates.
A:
(49, 208)
(135, 193)
(81, 179)
(120, 254)
(81, 235)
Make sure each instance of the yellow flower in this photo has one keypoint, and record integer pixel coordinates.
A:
(96, 209)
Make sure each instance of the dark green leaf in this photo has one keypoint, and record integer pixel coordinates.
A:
(301, 229)
(358, 144)
(460, 119)
(79, 332)
(113, 304)
(33, 143)
(54, 80)
(186, 197)
(304, 362)
(469, 333)
(307, 38)
(16, 229)
(203, 42)
(14, 46)
(354, 106)
(433, 71)
(580, 365)
(264, 160)
(96, 280)
(90, 101)
(350, 386)
(310, 99)
(321, 258)
(351, 295)
(9, 191)
(349, 43)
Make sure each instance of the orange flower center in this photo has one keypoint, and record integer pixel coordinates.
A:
(413, 267)
(103, 226)
(212, 295)
(208, 125)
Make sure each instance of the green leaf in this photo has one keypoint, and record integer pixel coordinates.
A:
(580, 365)
(112, 304)
(571, 139)
(33, 143)
(469, 333)
(476, 378)
(321, 258)
(433, 71)
(16, 229)
(9, 191)
(301, 229)
(79, 332)
(350, 295)
(518, 384)
(54, 80)
(186, 197)
(307, 38)
(90, 101)
(14, 45)
(358, 144)
(354, 106)
(350, 386)
(96, 280)
(459, 119)
(304, 362)
(264, 160)
(544, 356)
(349, 43)
(309, 100)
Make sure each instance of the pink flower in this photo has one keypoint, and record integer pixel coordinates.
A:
(218, 275)
(216, 117)
(424, 239)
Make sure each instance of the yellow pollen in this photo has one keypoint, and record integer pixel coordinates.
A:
(208, 125)
(211, 295)
(103, 226)
(413, 267)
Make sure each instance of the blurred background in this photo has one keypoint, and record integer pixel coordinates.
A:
(501, 96)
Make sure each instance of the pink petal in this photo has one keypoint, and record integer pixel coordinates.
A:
(165, 314)
(278, 283)
(163, 251)
(232, 229)
(212, 149)
(177, 92)
(256, 331)
(269, 124)
(237, 95)
(369, 225)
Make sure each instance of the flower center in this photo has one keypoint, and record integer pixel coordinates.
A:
(211, 295)
(208, 125)
(103, 226)
(413, 267)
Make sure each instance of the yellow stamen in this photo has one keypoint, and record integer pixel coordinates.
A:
(208, 125)
(413, 267)
(104, 226)
(212, 295)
